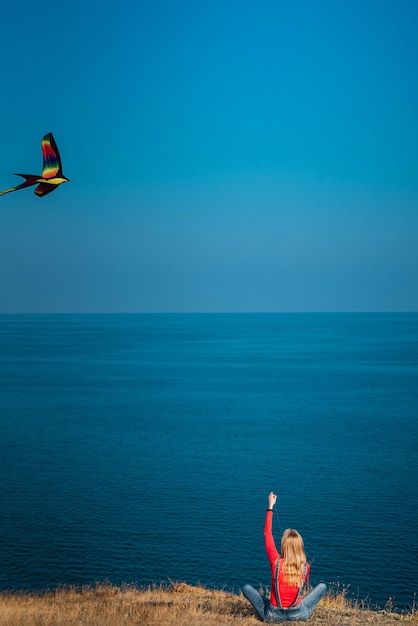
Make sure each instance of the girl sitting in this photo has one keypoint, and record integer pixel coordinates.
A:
(290, 572)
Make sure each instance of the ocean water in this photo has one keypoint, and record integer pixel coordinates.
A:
(141, 448)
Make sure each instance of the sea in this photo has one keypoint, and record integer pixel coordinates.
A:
(141, 448)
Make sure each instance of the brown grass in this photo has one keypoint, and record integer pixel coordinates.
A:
(178, 605)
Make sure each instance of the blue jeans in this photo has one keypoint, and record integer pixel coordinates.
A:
(269, 613)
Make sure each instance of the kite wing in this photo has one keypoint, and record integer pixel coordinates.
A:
(52, 161)
(44, 188)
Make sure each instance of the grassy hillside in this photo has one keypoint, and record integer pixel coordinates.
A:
(178, 605)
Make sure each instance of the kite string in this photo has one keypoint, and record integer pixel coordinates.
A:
(278, 520)
(281, 530)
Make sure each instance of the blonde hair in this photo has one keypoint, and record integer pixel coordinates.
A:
(294, 558)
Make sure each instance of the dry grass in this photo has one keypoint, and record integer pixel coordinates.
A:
(337, 609)
(180, 605)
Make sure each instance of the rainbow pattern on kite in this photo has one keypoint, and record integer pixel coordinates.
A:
(52, 162)
(52, 175)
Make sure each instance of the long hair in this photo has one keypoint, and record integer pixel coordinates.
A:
(294, 558)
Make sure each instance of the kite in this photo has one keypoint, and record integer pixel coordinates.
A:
(51, 176)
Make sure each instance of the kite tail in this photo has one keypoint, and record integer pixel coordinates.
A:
(30, 180)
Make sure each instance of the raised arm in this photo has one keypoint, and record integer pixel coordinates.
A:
(271, 549)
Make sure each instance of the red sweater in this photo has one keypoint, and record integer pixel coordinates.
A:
(288, 594)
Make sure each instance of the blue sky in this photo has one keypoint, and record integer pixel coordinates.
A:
(224, 156)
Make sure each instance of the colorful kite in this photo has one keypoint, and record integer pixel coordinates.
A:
(52, 175)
